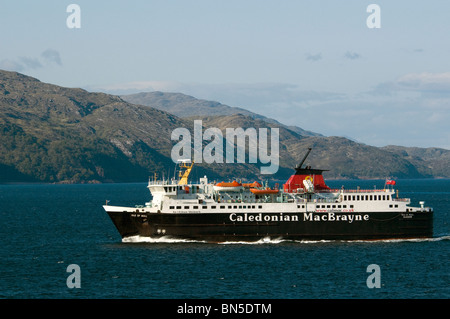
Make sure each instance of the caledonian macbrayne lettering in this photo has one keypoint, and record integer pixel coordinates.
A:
(333, 217)
(262, 217)
(307, 217)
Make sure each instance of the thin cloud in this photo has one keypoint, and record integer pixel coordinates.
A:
(352, 55)
(314, 57)
(30, 63)
(51, 56)
(421, 83)
(22, 63)
(425, 82)
(11, 65)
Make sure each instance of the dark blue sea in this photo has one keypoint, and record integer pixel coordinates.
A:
(46, 228)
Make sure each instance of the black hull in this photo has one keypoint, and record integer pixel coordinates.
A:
(221, 227)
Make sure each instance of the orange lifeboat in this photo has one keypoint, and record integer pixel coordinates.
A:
(253, 185)
(229, 187)
(265, 191)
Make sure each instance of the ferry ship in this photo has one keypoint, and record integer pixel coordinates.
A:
(304, 208)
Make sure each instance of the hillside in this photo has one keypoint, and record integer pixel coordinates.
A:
(54, 134)
(430, 161)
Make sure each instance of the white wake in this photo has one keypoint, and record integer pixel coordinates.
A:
(269, 240)
(159, 240)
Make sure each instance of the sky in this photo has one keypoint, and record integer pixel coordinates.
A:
(380, 77)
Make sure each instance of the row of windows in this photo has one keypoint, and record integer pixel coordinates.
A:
(333, 206)
(214, 207)
(259, 206)
(367, 197)
(173, 188)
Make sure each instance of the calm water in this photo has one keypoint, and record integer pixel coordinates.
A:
(45, 228)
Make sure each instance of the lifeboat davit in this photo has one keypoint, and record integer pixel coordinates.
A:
(264, 191)
(228, 187)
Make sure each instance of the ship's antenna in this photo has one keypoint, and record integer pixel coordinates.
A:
(304, 158)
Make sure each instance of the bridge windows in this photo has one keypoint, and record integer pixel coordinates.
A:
(366, 197)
